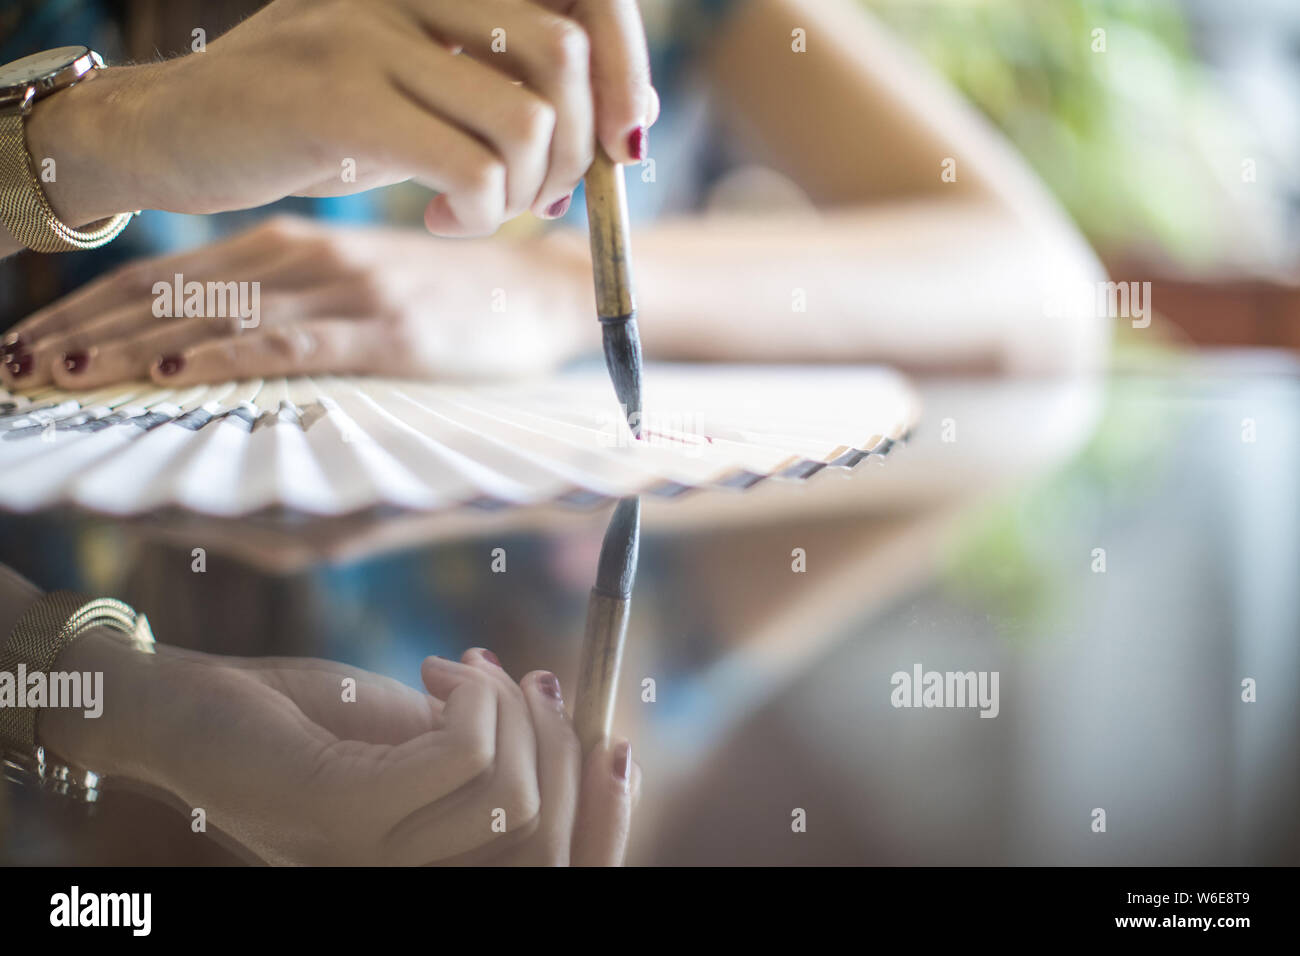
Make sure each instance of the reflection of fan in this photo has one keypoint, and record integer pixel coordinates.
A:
(337, 446)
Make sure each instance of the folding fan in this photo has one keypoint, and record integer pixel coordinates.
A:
(337, 446)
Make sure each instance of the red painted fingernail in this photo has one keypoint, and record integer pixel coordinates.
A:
(21, 364)
(558, 208)
(75, 362)
(549, 685)
(491, 658)
(170, 364)
(623, 763)
(638, 143)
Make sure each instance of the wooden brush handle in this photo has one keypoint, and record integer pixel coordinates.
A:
(602, 655)
(607, 226)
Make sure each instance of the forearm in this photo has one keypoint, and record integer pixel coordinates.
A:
(937, 285)
(959, 276)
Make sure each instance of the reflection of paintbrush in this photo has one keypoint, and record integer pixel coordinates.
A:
(602, 647)
(612, 267)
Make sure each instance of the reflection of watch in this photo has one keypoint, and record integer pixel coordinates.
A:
(24, 210)
(43, 632)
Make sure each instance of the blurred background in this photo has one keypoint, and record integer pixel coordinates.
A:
(1180, 160)
(1120, 688)
(1179, 157)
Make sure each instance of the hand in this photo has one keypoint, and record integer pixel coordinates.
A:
(328, 97)
(330, 300)
(483, 771)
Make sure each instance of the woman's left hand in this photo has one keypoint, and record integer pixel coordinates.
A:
(317, 300)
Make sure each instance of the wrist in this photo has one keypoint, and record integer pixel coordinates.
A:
(114, 737)
(87, 142)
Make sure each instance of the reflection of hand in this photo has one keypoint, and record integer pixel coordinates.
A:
(366, 301)
(278, 761)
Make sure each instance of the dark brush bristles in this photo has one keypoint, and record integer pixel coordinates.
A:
(622, 343)
(616, 570)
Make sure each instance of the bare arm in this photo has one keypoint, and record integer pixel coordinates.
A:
(902, 266)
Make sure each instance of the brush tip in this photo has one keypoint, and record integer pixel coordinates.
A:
(616, 570)
(622, 343)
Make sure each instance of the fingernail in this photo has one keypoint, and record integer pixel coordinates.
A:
(75, 362)
(549, 685)
(638, 142)
(21, 364)
(12, 343)
(490, 657)
(558, 208)
(623, 763)
(170, 364)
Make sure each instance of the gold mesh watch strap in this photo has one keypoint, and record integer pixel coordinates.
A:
(40, 636)
(25, 211)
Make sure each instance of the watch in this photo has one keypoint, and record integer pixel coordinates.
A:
(24, 209)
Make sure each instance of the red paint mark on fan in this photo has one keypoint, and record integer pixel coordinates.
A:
(681, 440)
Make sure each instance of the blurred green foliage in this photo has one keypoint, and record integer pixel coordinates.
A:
(1107, 130)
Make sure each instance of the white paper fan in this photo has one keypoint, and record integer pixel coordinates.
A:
(338, 446)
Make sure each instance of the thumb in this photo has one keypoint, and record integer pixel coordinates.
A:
(610, 784)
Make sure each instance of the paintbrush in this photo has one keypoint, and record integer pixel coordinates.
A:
(602, 644)
(612, 269)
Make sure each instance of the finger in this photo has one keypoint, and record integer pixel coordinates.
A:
(620, 75)
(382, 710)
(548, 52)
(441, 676)
(131, 357)
(399, 139)
(512, 120)
(469, 176)
(435, 764)
(134, 282)
(70, 350)
(497, 809)
(311, 347)
(513, 786)
(559, 769)
(461, 216)
(300, 274)
(399, 784)
(609, 781)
